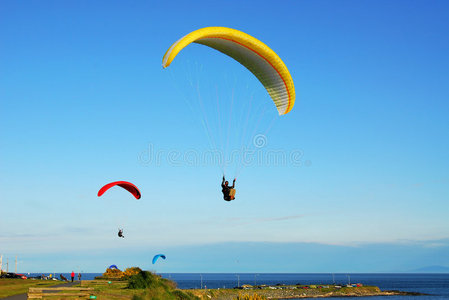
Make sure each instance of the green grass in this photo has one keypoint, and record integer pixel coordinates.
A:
(15, 286)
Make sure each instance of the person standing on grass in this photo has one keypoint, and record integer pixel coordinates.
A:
(72, 275)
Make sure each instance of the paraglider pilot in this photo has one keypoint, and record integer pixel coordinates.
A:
(120, 233)
(228, 191)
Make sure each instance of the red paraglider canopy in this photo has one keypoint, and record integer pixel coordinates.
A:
(124, 184)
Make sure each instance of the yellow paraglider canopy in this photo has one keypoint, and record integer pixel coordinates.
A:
(257, 57)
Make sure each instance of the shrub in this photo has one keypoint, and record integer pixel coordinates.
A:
(156, 287)
(141, 280)
(250, 297)
(113, 273)
(131, 271)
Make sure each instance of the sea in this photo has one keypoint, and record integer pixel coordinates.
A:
(435, 285)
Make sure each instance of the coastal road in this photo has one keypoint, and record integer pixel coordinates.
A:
(24, 296)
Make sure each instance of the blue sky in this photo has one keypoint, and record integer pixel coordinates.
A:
(84, 101)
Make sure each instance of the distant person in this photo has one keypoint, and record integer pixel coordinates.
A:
(120, 233)
(72, 275)
(62, 277)
(228, 191)
(79, 276)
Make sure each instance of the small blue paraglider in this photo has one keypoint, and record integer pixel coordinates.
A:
(155, 258)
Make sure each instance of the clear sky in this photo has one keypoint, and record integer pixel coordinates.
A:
(84, 101)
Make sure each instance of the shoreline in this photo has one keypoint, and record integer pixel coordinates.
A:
(293, 292)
